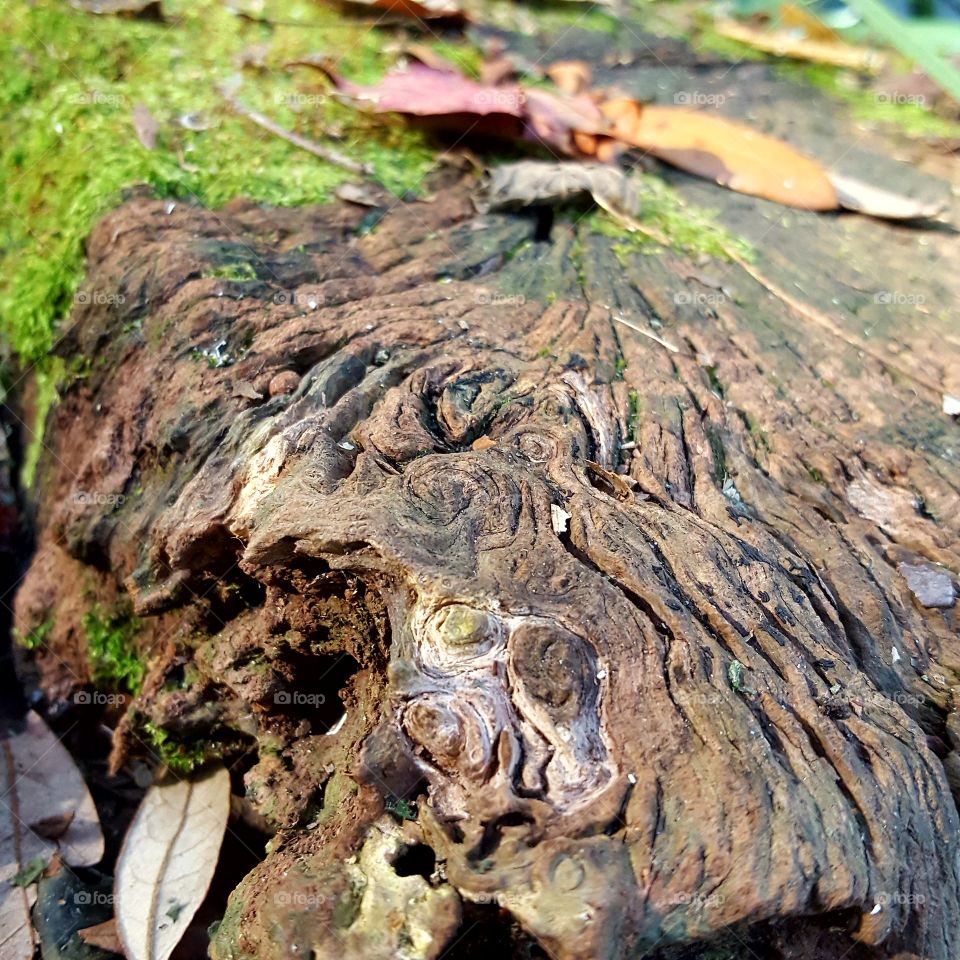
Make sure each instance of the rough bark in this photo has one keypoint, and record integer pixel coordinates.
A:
(626, 629)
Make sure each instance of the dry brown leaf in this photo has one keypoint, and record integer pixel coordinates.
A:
(16, 930)
(797, 46)
(605, 149)
(39, 783)
(146, 126)
(483, 443)
(167, 861)
(53, 828)
(718, 149)
(792, 15)
(48, 787)
(361, 194)
(619, 485)
(876, 202)
(571, 76)
(103, 935)
(542, 181)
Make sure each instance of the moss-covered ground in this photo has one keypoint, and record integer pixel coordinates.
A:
(69, 82)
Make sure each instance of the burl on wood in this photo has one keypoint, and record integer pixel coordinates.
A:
(509, 618)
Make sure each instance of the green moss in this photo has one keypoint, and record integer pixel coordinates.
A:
(68, 84)
(36, 639)
(400, 808)
(179, 755)
(112, 651)
(46, 379)
(912, 119)
(234, 271)
(690, 229)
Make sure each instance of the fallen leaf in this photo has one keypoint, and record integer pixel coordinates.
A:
(361, 194)
(483, 443)
(38, 781)
(571, 76)
(876, 202)
(457, 103)
(797, 46)
(718, 149)
(557, 120)
(47, 787)
(53, 828)
(146, 126)
(620, 486)
(103, 935)
(168, 860)
(802, 18)
(428, 92)
(541, 181)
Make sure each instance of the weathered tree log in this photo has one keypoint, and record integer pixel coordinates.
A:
(522, 627)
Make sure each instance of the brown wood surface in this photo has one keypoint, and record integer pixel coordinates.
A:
(621, 613)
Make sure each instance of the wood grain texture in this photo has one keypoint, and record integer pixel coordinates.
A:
(705, 704)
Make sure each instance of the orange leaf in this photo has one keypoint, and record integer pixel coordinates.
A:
(785, 43)
(571, 76)
(729, 153)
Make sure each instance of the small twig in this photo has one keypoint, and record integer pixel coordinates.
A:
(318, 150)
(646, 333)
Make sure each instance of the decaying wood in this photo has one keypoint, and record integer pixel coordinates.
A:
(623, 628)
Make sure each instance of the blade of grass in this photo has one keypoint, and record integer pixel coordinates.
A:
(915, 46)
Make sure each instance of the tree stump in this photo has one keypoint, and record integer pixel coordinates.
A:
(544, 595)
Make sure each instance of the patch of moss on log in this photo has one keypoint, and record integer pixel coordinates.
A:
(68, 84)
(689, 229)
(114, 661)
